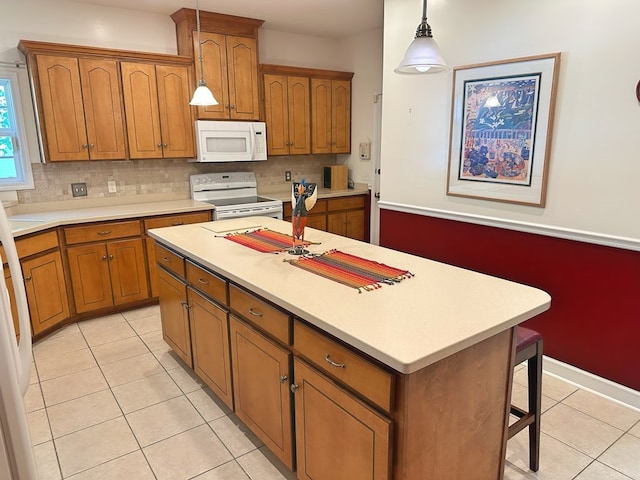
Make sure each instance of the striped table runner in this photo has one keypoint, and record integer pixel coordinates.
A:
(264, 240)
(350, 270)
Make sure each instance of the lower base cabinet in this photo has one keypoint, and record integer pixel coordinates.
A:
(210, 345)
(337, 436)
(261, 372)
(175, 315)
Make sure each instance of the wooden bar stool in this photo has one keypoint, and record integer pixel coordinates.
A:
(529, 347)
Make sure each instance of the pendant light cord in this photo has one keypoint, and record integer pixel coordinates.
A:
(424, 29)
(199, 44)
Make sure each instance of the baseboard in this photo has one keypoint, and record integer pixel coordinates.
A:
(593, 383)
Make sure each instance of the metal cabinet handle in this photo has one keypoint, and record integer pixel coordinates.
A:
(175, 224)
(27, 278)
(185, 304)
(165, 259)
(110, 257)
(104, 232)
(283, 378)
(332, 363)
(202, 282)
(293, 388)
(232, 106)
(91, 145)
(255, 313)
(159, 145)
(165, 145)
(104, 257)
(84, 145)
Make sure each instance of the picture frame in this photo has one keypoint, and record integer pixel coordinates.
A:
(501, 129)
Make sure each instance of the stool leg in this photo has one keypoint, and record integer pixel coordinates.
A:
(534, 371)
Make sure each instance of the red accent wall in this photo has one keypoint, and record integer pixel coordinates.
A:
(594, 320)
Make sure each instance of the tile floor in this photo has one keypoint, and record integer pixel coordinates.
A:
(108, 400)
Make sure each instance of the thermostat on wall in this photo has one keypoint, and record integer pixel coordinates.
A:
(365, 150)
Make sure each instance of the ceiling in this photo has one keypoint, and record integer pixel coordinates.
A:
(327, 18)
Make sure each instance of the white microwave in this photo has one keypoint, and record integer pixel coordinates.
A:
(223, 141)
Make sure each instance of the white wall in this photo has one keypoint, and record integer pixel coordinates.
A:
(594, 166)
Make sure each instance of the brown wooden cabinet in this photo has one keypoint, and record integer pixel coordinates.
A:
(261, 374)
(346, 216)
(166, 221)
(46, 291)
(230, 60)
(12, 301)
(287, 113)
(330, 116)
(110, 272)
(175, 315)
(338, 437)
(156, 100)
(81, 108)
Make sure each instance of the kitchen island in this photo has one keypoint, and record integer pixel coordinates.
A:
(409, 381)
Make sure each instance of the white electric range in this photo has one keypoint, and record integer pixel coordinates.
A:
(234, 194)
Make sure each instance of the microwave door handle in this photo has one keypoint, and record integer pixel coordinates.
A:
(252, 140)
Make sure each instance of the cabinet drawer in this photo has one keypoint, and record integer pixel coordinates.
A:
(170, 260)
(261, 314)
(319, 208)
(27, 246)
(174, 220)
(362, 376)
(102, 231)
(346, 203)
(208, 283)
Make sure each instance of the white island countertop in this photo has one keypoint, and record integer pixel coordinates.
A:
(407, 326)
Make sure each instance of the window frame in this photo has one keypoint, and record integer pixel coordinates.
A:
(22, 157)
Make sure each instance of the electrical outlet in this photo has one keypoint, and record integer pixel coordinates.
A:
(287, 176)
(79, 189)
(111, 184)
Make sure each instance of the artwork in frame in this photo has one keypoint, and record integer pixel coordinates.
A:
(501, 128)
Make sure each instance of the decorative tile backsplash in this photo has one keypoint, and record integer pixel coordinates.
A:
(138, 177)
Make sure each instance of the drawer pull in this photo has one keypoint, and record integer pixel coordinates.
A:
(104, 232)
(332, 363)
(175, 224)
(255, 313)
(166, 259)
(202, 282)
(283, 378)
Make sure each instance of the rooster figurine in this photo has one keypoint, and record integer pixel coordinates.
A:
(303, 197)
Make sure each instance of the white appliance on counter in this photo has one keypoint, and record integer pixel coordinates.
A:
(16, 454)
(225, 141)
(234, 195)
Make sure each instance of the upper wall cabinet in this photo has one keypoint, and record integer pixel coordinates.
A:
(79, 102)
(156, 99)
(81, 108)
(330, 115)
(230, 61)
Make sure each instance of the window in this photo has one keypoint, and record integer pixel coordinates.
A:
(15, 169)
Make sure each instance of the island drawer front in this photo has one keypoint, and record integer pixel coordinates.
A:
(318, 208)
(208, 283)
(362, 376)
(261, 314)
(346, 203)
(27, 246)
(175, 220)
(102, 231)
(170, 260)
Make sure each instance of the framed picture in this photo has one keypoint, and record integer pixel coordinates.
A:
(501, 126)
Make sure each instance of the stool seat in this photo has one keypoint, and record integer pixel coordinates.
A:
(529, 347)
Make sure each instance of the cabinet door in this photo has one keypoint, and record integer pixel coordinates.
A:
(355, 224)
(261, 388)
(90, 280)
(299, 116)
(214, 59)
(242, 70)
(176, 124)
(140, 92)
(103, 109)
(128, 271)
(337, 436)
(210, 345)
(337, 223)
(64, 132)
(46, 291)
(276, 106)
(320, 115)
(174, 313)
(340, 116)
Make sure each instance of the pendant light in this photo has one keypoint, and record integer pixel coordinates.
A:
(202, 96)
(423, 55)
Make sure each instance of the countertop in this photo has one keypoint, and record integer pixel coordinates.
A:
(407, 326)
(283, 191)
(25, 223)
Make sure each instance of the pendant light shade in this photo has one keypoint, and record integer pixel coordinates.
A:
(202, 96)
(423, 54)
